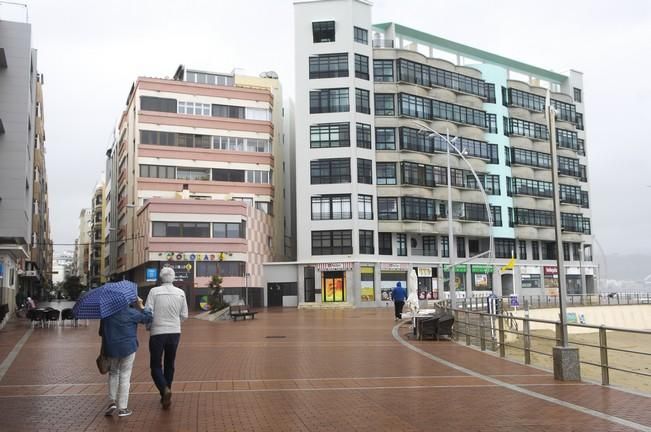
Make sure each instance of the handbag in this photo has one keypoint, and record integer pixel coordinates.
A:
(103, 362)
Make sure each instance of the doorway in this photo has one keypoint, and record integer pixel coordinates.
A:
(507, 284)
(274, 295)
(334, 287)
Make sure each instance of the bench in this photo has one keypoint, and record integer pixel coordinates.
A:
(241, 311)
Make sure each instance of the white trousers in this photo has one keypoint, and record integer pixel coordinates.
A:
(119, 379)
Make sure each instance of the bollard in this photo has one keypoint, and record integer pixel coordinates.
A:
(559, 333)
(500, 324)
(527, 341)
(603, 348)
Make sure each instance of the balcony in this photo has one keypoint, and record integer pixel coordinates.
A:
(122, 203)
(383, 43)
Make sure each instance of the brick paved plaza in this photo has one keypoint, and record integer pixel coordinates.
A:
(300, 370)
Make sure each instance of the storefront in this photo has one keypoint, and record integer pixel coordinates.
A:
(530, 280)
(551, 280)
(427, 283)
(367, 283)
(333, 281)
(390, 275)
(459, 280)
(482, 279)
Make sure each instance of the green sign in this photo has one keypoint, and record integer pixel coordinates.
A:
(481, 268)
(459, 268)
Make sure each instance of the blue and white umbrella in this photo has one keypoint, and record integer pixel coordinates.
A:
(106, 300)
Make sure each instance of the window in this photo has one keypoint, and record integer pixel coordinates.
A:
(411, 139)
(361, 66)
(232, 143)
(490, 92)
(579, 121)
(363, 135)
(471, 212)
(323, 31)
(259, 177)
(425, 75)
(362, 101)
(194, 108)
(183, 173)
(366, 245)
(504, 248)
(229, 230)
(524, 99)
(584, 173)
(386, 247)
(430, 109)
(329, 66)
(328, 171)
(577, 95)
(364, 207)
(331, 207)
(535, 250)
(158, 138)
(180, 229)
(524, 216)
(384, 105)
(514, 126)
(414, 208)
(385, 138)
(491, 122)
(522, 249)
(387, 208)
(549, 250)
(360, 35)
(158, 171)
(496, 215)
(265, 207)
(328, 135)
(228, 111)
(222, 268)
(189, 140)
(530, 158)
(569, 166)
(150, 103)
(566, 251)
(567, 139)
(576, 251)
(581, 146)
(386, 173)
(208, 78)
(445, 250)
(507, 156)
(364, 171)
(564, 111)
(572, 222)
(383, 70)
(570, 194)
(329, 100)
(338, 242)
(585, 200)
(538, 188)
(417, 174)
(429, 245)
(228, 175)
(402, 244)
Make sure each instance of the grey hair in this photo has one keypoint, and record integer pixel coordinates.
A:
(167, 275)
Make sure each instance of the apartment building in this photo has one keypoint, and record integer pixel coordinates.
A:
(96, 275)
(195, 181)
(25, 245)
(82, 253)
(372, 184)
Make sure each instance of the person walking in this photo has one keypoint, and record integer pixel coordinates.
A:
(119, 344)
(169, 306)
(398, 295)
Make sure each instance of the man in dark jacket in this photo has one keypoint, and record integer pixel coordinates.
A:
(398, 295)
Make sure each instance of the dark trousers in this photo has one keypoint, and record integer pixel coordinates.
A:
(398, 305)
(163, 347)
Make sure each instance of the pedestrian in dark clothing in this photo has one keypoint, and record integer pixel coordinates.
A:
(398, 295)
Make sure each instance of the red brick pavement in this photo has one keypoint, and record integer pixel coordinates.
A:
(332, 371)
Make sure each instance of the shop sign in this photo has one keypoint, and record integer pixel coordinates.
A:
(424, 271)
(183, 271)
(394, 266)
(340, 266)
(550, 270)
(151, 274)
(481, 281)
(530, 270)
(530, 281)
(573, 271)
(589, 271)
(198, 256)
(481, 268)
(459, 268)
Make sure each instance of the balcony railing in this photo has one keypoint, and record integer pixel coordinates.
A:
(383, 43)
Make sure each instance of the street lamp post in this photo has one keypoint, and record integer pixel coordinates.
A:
(451, 244)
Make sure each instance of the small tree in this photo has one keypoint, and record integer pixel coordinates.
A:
(216, 297)
(73, 287)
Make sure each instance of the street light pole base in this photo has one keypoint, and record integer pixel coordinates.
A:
(566, 364)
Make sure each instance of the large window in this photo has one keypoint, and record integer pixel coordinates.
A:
(331, 207)
(364, 207)
(228, 111)
(366, 245)
(385, 105)
(183, 173)
(194, 108)
(329, 100)
(386, 173)
(567, 139)
(364, 135)
(402, 244)
(411, 139)
(385, 138)
(530, 158)
(514, 126)
(417, 174)
(222, 268)
(228, 175)
(323, 31)
(232, 143)
(578, 97)
(181, 229)
(564, 111)
(569, 166)
(417, 209)
(361, 66)
(383, 70)
(574, 222)
(189, 140)
(504, 248)
(229, 229)
(387, 208)
(538, 188)
(328, 171)
(158, 171)
(496, 214)
(425, 75)
(360, 35)
(472, 212)
(430, 109)
(364, 171)
(524, 216)
(330, 135)
(338, 242)
(329, 66)
(524, 99)
(362, 101)
(429, 246)
(150, 103)
(386, 247)
(259, 176)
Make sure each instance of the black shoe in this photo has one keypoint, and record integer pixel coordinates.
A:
(166, 398)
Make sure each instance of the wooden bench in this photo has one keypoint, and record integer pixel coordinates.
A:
(241, 311)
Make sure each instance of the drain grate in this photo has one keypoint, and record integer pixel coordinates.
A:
(275, 337)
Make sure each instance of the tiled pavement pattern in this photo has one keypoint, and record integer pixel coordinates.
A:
(330, 371)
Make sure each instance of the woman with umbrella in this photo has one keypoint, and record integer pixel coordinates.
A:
(120, 310)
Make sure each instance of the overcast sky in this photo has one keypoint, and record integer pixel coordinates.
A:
(91, 51)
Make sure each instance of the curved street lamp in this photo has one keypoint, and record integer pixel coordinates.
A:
(424, 127)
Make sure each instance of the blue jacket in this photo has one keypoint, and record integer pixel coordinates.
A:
(398, 293)
(119, 331)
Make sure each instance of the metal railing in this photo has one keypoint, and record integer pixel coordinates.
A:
(603, 350)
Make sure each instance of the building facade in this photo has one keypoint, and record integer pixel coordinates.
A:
(81, 266)
(372, 184)
(96, 275)
(195, 181)
(25, 245)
